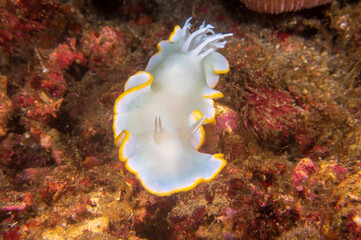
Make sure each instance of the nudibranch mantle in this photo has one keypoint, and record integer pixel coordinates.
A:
(158, 118)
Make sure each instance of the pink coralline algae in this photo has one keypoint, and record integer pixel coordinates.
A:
(55, 84)
(104, 49)
(328, 172)
(226, 119)
(43, 106)
(14, 28)
(52, 189)
(301, 173)
(27, 201)
(233, 208)
(270, 114)
(65, 55)
(60, 59)
(45, 141)
(226, 134)
(25, 22)
(44, 111)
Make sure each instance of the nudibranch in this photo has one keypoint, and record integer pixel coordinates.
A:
(158, 118)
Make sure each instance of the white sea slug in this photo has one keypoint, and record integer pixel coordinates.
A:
(158, 118)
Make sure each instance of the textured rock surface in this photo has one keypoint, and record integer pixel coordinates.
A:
(289, 124)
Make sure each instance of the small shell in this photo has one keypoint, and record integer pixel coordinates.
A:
(279, 6)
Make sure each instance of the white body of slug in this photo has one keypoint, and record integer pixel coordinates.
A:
(158, 119)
